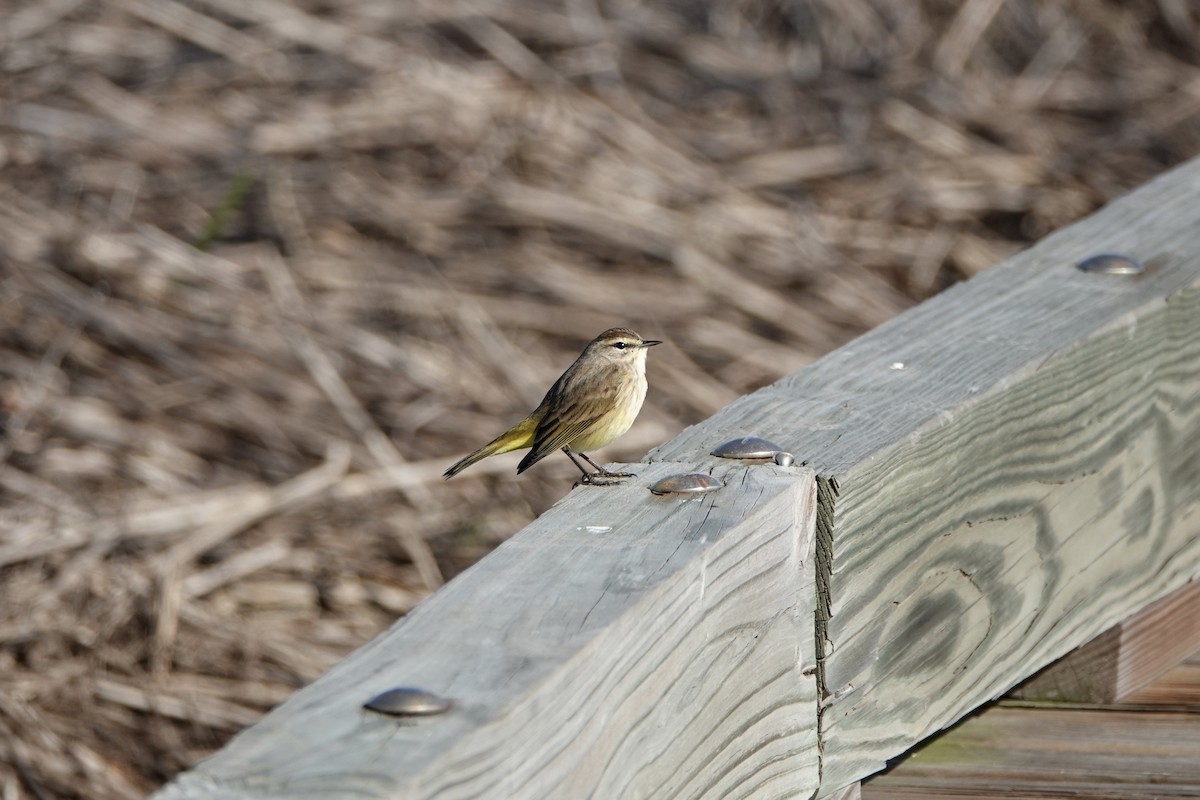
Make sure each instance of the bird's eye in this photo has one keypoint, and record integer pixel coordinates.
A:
(620, 345)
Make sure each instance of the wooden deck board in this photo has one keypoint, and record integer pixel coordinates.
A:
(1147, 747)
(1179, 689)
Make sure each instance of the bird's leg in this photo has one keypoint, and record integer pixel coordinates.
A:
(600, 472)
(587, 476)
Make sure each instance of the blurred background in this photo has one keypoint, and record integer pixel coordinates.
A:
(268, 267)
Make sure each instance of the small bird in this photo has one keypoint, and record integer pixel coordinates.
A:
(590, 405)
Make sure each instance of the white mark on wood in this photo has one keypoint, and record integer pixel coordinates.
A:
(840, 694)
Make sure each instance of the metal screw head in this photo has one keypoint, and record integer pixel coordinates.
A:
(747, 447)
(688, 483)
(407, 702)
(1111, 264)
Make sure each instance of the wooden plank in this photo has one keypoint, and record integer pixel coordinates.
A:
(1008, 470)
(1178, 690)
(1007, 753)
(623, 645)
(1126, 658)
(1015, 752)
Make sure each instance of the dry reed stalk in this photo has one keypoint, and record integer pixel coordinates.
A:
(221, 467)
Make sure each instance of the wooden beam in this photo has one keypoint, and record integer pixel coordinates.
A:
(851, 792)
(1007, 470)
(622, 645)
(1025, 753)
(1003, 473)
(1127, 657)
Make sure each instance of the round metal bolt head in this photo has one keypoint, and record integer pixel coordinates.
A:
(784, 459)
(407, 702)
(689, 483)
(747, 447)
(1111, 264)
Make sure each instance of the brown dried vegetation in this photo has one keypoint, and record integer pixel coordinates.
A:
(222, 463)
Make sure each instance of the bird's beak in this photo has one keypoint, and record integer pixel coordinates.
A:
(650, 342)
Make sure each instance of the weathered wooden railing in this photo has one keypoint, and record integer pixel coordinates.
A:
(992, 479)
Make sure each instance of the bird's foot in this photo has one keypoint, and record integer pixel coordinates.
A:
(603, 477)
(606, 474)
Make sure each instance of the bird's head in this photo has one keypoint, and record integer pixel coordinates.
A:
(621, 345)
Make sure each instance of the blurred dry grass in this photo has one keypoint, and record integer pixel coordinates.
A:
(221, 466)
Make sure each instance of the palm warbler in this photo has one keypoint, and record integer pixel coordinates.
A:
(590, 405)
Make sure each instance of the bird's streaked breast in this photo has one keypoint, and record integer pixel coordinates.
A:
(632, 394)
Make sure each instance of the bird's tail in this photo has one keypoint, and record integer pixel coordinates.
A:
(516, 437)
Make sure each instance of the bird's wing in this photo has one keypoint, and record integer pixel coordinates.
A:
(567, 417)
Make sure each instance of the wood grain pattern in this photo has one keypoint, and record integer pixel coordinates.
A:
(1067, 504)
(851, 792)
(1040, 753)
(621, 646)
(1178, 690)
(1010, 469)
(1135, 750)
(1127, 657)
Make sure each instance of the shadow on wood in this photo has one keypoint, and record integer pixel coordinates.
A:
(1126, 658)
(1143, 749)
